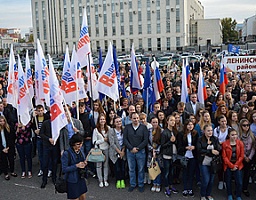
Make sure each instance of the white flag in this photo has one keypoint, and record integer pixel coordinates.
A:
(37, 85)
(24, 101)
(28, 78)
(107, 83)
(58, 117)
(12, 89)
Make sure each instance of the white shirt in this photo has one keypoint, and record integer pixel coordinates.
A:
(3, 139)
(189, 153)
(194, 107)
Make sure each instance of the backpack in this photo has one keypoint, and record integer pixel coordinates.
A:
(61, 183)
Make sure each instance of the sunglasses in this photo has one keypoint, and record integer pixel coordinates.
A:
(245, 125)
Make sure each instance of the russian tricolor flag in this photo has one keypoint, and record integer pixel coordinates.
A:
(158, 83)
(223, 78)
(184, 86)
(202, 95)
(188, 75)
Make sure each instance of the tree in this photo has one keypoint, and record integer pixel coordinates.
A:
(31, 38)
(228, 30)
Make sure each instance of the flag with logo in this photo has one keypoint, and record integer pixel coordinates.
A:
(38, 101)
(43, 77)
(24, 100)
(28, 77)
(12, 88)
(58, 117)
(107, 83)
(202, 94)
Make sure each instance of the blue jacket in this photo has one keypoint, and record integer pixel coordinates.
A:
(70, 169)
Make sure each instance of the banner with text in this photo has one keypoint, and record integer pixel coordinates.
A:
(240, 63)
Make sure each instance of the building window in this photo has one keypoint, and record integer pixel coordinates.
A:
(113, 30)
(177, 14)
(122, 17)
(73, 28)
(177, 2)
(168, 26)
(158, 15)
(104, 7)
(105, 19)
(122, 30)
(140, 44)
(168, 44)
(97, 31)
(46, 49)
(96, 19)
(167, 13)
(131, 42)
(64, 2)
(148, 3)
(105, 31)
(167, 2)
(113, 18)
(122, 45)
(149, 44)
(97, 45)
(106, 45)
(158, 44)
(130, 4)
(130, 17)
(148, 15)
(139, 29)
(149, 29)
(113, 7)
(158, 28)
(139, 3)
(157, 3)
(131, 29)
(177, 26)
(121, 5)
(139, 16)
(96, 9)
(177, 41)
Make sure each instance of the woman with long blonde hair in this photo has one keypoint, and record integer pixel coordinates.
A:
(7, 148)
(205, 119)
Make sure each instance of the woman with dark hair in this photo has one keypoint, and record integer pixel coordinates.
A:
(97, 110)
(100, 140)
(186, 143)
(117, 151)
(247, 137)
(243, 112)
(24, 147)
(208, 146)
(221, 110)
(154, 146)
(7, 148)
(168, 148)
(253, 122)
(73, 165)
(111, 114)
(233, 156)
(161, 119)
(233, 120)
(178, 124)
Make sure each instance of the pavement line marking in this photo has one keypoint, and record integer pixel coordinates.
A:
(27, 186)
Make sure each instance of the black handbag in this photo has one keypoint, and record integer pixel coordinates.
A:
(61, 185)
(184, 161)
(216, 164)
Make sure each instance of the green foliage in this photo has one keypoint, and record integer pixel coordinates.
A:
(228, 30)
(31, 38)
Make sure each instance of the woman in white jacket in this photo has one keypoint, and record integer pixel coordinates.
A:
(100, 140)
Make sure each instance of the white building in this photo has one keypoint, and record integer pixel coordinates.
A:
(150, 24)
(249, 29)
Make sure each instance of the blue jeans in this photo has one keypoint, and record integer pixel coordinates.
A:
(168, 172)
(120, 169)
(239, 181)
(87, 146)
(188, 174)
(50, 152)
(157, 181)
(24, 151)
(136, 161)
(207, 180)
(39, 144)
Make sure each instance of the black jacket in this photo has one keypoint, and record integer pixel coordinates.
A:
(166, 144)
(202, 147)
(182, 143)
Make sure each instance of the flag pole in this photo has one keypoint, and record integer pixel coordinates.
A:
(69, 115)
(90, 77)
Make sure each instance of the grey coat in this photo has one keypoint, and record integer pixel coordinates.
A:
(64, 141)
(189, 108)
(113, 145)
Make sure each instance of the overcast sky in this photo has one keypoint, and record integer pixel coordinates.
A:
(17, 13)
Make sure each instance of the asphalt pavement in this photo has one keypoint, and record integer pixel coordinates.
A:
(29, 189)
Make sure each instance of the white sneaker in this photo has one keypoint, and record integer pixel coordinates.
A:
(153, 189)
(158, 188)
(221, 185)
(40, 173)
(49, 174)
(106, 184)
(101, 185)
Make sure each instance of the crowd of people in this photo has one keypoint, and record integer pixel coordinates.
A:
(183, 138)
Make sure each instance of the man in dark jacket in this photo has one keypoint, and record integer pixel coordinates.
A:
(50, 151)
(135, 140)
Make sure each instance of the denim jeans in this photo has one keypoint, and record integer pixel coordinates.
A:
(39, 145)
(188, 174)
(50, 152)
(24, 151)
(207, 180)
(136, 161)
(157, 181)
(238, 179)
(120, 169)
(168, 172)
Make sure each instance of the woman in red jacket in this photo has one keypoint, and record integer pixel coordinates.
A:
(233, 156)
